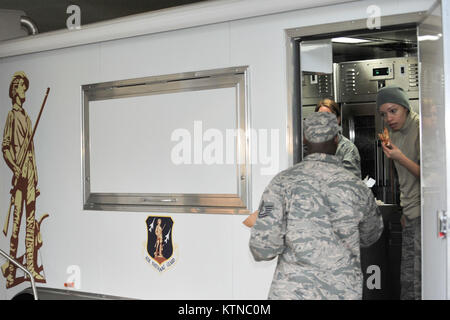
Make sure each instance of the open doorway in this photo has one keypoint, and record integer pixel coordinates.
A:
(362, 62)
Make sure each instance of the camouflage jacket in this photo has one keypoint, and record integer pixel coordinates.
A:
(349, 155)
(314, 217)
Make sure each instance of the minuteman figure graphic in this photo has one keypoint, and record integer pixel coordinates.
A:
(18, 152)
(159, 240)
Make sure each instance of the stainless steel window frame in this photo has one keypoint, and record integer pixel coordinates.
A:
(239, 203)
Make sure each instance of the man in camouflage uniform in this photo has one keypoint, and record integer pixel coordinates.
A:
(314, 217)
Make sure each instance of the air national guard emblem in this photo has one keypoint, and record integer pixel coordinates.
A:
(159, 242)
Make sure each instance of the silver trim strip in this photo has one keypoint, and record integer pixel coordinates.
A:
(62, 294)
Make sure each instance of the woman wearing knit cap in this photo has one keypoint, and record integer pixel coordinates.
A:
(404, 149)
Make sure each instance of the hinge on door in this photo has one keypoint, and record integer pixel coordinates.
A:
(442, 224)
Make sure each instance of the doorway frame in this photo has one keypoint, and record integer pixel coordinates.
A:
(295, 35)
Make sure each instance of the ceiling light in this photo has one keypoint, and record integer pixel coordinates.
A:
(348, 40)
(429, 37)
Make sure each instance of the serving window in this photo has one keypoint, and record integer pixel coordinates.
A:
(172, 143)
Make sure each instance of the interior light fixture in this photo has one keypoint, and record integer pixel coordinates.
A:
(348, 40)
(429, 37)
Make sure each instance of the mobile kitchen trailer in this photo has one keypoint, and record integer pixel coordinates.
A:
(179, 118)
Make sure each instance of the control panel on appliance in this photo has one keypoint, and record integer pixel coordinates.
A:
(381, 74)
(361, 80)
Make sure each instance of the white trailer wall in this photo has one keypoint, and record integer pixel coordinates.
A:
(213, 260)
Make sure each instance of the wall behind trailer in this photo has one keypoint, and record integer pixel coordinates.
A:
(212, 256)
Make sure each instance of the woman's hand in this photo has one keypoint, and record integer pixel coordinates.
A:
(392, 151)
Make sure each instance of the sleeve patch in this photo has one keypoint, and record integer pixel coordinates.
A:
(265, 209)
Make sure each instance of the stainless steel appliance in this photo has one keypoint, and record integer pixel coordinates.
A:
(357, 85)
(315, 87)
(359, 81)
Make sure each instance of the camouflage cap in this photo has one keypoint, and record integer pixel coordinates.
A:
(320, 127)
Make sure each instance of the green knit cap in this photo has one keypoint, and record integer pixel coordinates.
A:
(392, 94)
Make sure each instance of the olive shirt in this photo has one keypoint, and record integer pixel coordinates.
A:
(314, 217)
(407, 139)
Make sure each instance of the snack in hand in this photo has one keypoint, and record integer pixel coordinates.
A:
(384, 137)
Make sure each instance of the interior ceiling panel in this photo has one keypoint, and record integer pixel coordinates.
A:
(50, 15)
